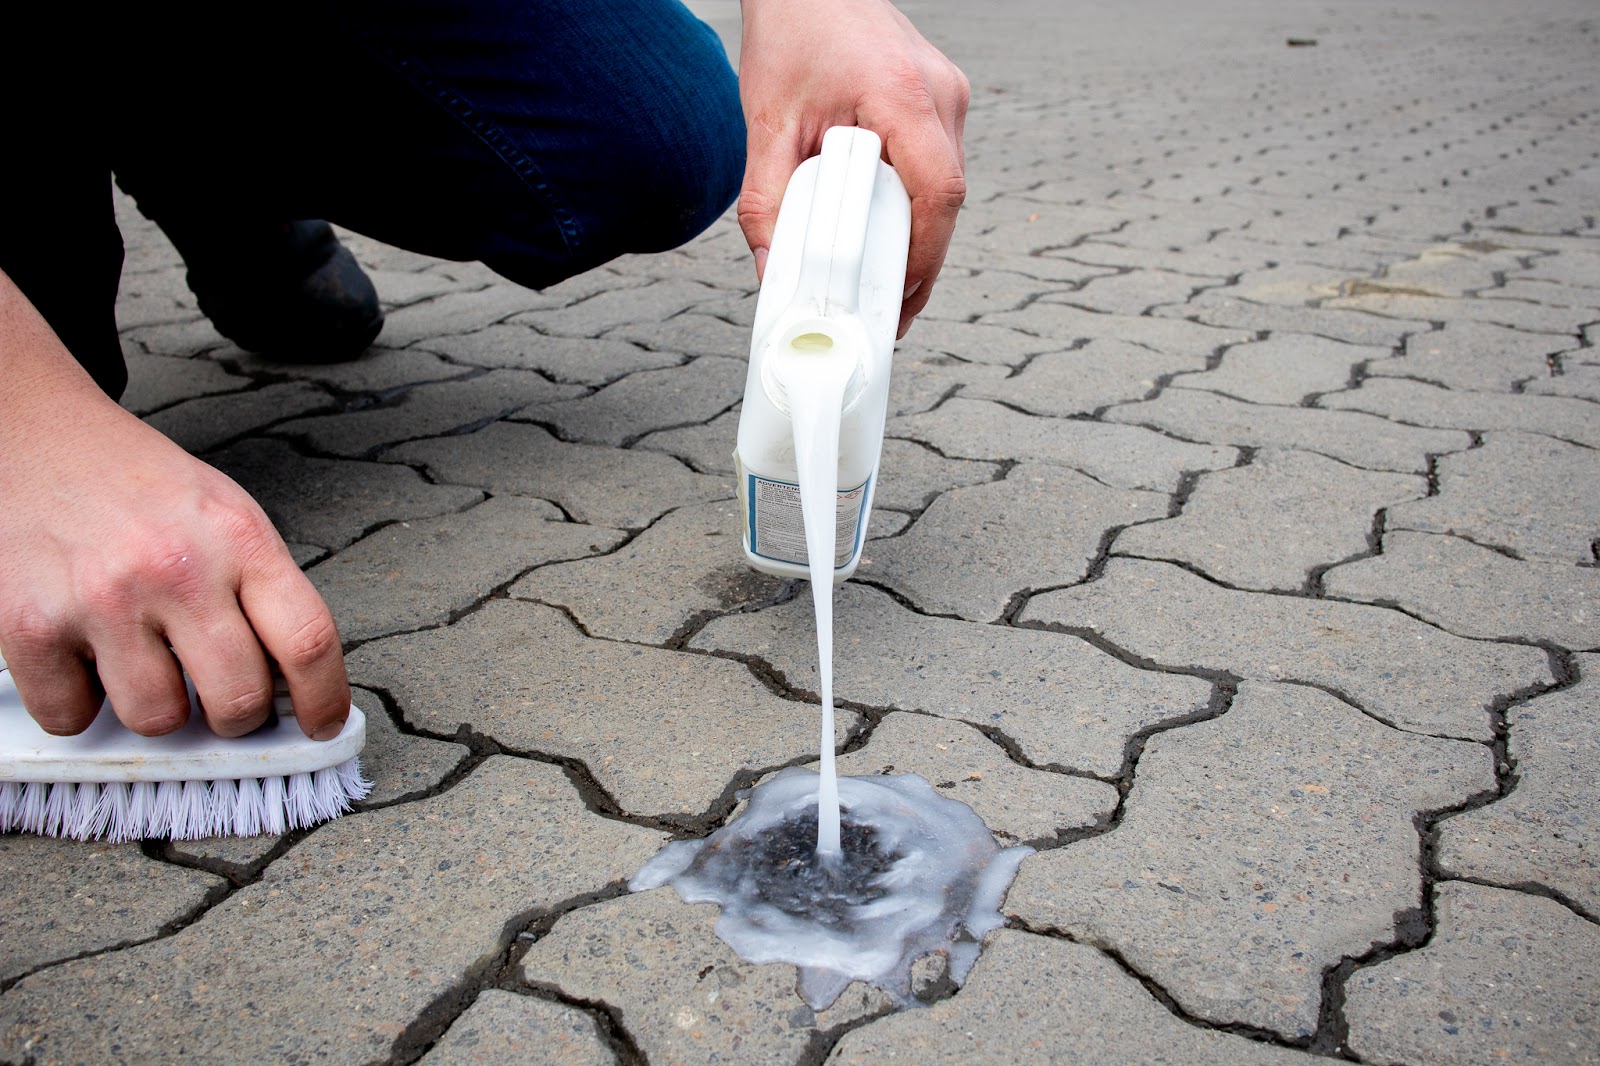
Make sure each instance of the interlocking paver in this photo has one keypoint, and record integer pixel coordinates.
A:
(977, 342)
(1084, 380)
(578, 360)
(1356, 437)
(977, 547)
(1322, 798)
(1038, 999)
(426, 411)
(1544, 831)
(1419, 403)
(1476, 592)
(591, 483)
(502, 1027)
(1268, 524)
(1400, 670)
(1125, 456)
(1474, 355)
(612, 307)
(403, 902)
(157, 381)
(1515, 492)
(1061, 702)
(333, 502)
(378, 370)
(1228, 309)
(1283, 369)
(686, 996)
(648, 400)
(1067, 324)
(690, 333)
(1581, 380)
(1016, 803)
(910, 475)
(87, 897)
(693, 551)
(202, 424)
(1507, 977)
(418, 573)
(661, 731)
(707, 448)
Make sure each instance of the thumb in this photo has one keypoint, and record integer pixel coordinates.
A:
(770, 160)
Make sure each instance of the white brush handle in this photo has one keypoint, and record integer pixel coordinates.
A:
(108, 751)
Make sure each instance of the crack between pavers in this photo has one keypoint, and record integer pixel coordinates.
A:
(496, 969)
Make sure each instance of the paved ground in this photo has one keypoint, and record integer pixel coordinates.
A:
(1238, 550)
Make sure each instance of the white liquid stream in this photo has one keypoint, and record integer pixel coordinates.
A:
(815, 406)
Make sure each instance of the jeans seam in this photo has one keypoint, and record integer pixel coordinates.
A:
(495, 139)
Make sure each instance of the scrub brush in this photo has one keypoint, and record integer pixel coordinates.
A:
(109, 783)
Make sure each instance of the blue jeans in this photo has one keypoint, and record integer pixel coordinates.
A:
(542, 138)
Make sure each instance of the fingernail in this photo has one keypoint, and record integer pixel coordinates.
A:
(328, 731)
(761, 262)
(912, 288)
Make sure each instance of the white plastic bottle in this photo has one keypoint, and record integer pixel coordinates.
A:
(829, 306)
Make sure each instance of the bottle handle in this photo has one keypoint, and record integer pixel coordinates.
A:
(836, 235)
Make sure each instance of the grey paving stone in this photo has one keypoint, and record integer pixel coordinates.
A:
(1205, 260)
(1473, 355)
(335, 951)
(1016, 803)
(1572, 267)
(304, 554)
(71, 897)
(604, 486)
(977, 547)
(1065, 325)
(378, 370)
(241, 856)
(612, 307)
(922, 379)
(503, 1027)
(156, 381)
(422, 572)
(682, 994)
(1544, 832)
(1507, 977)
(690, 333)
(462, 312)
(687, 565)
(1227, 309)
(1428, 405)
(1517, 314)
(1039, 999)
(1064, 704)
(910, 475)
(332, 502)
(1476, 592)
(1399, 670)
(1515, 492)
(646, 401)
(578, 360)
(181, 339)
(202, 424)
(1325, 798)
(1124, 456)
(426, 411)
(976, 342)
(1084, 380)
(1356, 437)
(401, 764)
(154, 297)
(707, 448)
(1135, 292)
(1266, 525)
(1581, 380)
(663, 732)
(964, 296)
(1283, 369)
(397, 288)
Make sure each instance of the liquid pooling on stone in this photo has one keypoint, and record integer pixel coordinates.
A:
(917, 873)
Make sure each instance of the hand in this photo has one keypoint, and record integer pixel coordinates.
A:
(804, 67)
(122, 557)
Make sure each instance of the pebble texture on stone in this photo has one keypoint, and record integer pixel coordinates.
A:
(1319, 800)
(1238, 385)
(1508, 977)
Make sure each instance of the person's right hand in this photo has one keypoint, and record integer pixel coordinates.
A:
(122, 557)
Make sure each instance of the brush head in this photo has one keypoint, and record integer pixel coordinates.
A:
(111, 783)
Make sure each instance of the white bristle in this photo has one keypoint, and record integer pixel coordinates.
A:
(272, 812)
(302, 809)
(247, 808)
(56, 808)
(10, 805)
(224, 800)
(167, 810)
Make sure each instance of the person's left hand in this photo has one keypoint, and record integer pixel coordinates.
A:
(807, 66)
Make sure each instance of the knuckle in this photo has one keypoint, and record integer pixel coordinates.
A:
(756, 207)
(948, 192)
(240, 707)
(159, 720)
(314, 641)
(31, 631)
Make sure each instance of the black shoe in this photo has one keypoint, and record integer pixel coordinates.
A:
(297, 296)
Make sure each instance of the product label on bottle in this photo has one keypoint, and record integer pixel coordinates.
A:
(777, 528)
